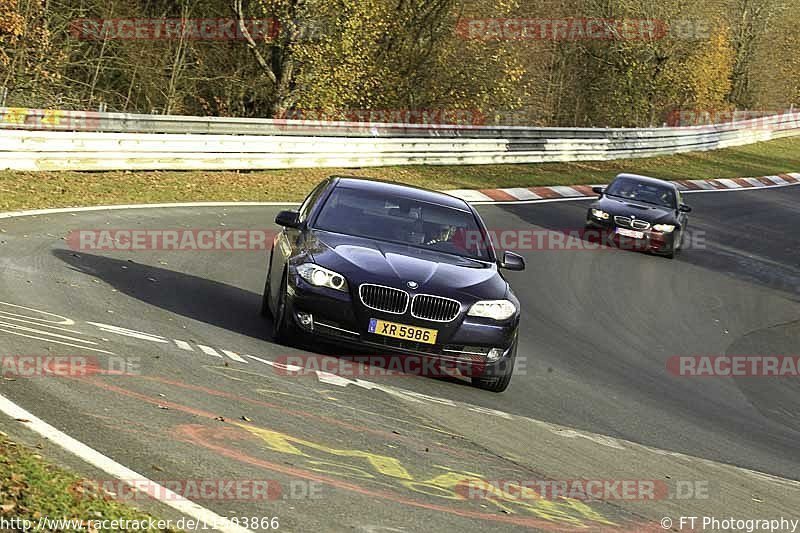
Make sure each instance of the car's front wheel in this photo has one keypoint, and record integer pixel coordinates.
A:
(676, 246)
(265, 310)
(498, 378)
(283, 326)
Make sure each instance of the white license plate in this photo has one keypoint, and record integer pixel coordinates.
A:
(630, 233)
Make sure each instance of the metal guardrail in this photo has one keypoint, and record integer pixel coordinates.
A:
(32, 139)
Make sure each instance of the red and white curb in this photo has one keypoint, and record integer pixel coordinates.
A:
(563, 192)
(553, 193)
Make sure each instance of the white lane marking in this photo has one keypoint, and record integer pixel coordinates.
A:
(332, 379)
(56, 342)
(12, 316)
(470, 195)
(140, 335)
(183, 345)
(521, 193)
(401, 393)
(49, 334)
(38, 212)
(208, 350)
(597, 439)
(62, 321)
(777, 180)
(729, 183)
(281, 366)
(492, 412)
(129, 333)
(115, 469)
(341, 381)
(755, 182)
(235, 356)
(566, 191)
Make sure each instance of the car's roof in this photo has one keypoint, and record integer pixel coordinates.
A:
(406, 191)
(647, 179)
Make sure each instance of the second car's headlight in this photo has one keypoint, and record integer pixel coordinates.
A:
(600, 214)
(664, 228)
(495, 309)
(322, 277)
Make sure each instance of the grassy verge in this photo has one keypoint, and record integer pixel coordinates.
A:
(31, 488)
(28, 190)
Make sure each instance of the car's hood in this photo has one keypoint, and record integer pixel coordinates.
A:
(642, 211)
(395, 265)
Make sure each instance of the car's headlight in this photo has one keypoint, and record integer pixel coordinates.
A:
(322, 277)
(664, 228)
(494, 309)
(599, 213)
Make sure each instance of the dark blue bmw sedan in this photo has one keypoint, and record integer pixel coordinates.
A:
(392, 268)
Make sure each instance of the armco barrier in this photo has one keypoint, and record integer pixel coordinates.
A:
(32, 139)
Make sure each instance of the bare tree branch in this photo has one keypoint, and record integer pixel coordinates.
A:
(238, 10)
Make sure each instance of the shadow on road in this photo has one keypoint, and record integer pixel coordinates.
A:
(211, 302)
(204, 300)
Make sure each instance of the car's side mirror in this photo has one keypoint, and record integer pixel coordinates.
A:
(288, 219)
(599, 190)
(684, 208)
(512, 261)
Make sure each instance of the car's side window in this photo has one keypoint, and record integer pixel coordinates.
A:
(310, 200)
(679, 198)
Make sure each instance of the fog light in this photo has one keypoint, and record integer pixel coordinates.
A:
(494, 354)
(305, 319)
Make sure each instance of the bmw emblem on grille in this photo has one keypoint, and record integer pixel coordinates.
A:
(412, 284)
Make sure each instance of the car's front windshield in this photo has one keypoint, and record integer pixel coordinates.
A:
(386, 217)
(642, 191)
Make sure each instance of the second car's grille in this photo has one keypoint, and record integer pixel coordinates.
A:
(435, 308)
(627, 222)
(384, 299)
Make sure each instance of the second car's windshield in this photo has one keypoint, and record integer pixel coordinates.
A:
(650, 193)
(401, 220)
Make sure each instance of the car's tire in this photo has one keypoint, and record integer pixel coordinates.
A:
(265, 309)
(500, 378)
(676, 247)
(284, 330)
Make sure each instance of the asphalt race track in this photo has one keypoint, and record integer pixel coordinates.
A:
(592, 397)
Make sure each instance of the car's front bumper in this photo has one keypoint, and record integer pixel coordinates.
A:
(654, 241)
(338, 318)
